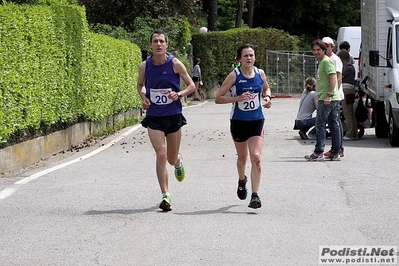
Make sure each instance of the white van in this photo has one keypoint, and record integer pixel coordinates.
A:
(353, 35)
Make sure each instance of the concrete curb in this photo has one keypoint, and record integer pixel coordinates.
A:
(21, 155)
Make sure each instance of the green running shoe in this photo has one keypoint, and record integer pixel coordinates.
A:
(166, 203)
(180, 173)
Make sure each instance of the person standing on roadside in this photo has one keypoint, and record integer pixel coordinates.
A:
(330, 44)
(328, 105)
(248, 86)
(348, 81)
(346, 46)
(159, 88)
(196, 74)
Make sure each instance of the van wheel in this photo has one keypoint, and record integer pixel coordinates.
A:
(381, 124)
(393, 132)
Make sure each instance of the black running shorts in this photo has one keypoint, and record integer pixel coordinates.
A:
(242, 130)
(167, 124)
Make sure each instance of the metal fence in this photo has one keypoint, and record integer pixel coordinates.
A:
(286, 71)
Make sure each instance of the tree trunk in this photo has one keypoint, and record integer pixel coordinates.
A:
(240, 10)
(250, 13)
(212, 15)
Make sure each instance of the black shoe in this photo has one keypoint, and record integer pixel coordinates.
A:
(302, 134)
(255, 202)
(242, 190)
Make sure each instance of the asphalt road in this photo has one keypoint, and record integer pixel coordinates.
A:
(99, 206)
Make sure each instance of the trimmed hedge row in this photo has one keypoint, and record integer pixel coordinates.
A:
(110, 72)
(54, 71)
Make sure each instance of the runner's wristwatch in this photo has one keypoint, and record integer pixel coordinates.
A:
(330, 94)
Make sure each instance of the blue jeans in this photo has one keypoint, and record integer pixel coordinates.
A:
(328, 114)
(306, 124)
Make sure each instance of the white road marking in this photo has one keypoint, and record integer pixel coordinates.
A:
(13, 188)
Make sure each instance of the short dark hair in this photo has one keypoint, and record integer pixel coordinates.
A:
(245, 46)
(159, 32)
(319, 43)
(344, 46)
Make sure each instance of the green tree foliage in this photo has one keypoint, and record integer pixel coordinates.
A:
(123, 13)
(227, 10)
(45, 2)
(177, 29)
(112, 31)
(313, 18)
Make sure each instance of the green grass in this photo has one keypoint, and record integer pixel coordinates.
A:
(130, 121)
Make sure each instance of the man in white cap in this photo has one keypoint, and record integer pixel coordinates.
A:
(338, 67)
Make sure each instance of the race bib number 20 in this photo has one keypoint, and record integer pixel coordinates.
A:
(160, 96)
(251, 104)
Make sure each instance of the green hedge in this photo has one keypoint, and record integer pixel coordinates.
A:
(54, 71)
(218, 49)
(110, 76)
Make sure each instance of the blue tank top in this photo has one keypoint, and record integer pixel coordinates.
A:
(251, 109)
(160, 79)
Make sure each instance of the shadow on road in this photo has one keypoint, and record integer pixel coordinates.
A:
(121, 211)
(224, 210)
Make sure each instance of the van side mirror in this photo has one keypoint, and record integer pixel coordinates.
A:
(374, 58)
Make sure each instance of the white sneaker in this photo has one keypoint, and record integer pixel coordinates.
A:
(347, 138)
(315, 157)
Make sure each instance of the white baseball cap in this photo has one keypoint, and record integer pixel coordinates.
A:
(328, 40)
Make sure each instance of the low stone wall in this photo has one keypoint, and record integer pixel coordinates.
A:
(21, 155)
